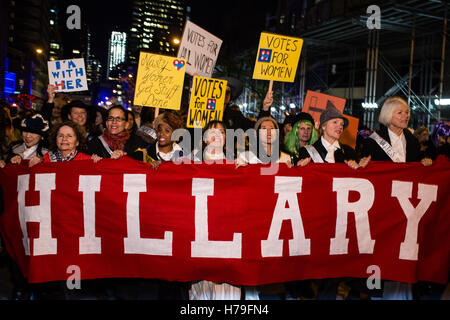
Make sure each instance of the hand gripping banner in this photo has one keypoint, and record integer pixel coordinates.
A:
(120, 218)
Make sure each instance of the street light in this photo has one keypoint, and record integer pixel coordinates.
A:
(176, 41)
(39, 51)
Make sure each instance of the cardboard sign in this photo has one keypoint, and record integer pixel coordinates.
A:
(348, 137)
(277, 57)
(316, 102)
(207, 101)
(68, 75)
(200, 50)
(159, 81)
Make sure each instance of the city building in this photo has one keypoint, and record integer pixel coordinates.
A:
(156, 26)
(56, 46)
(116, 51)
(24, 66)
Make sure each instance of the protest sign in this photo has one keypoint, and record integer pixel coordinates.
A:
(159, 81)
(207, 101)
(316, 102)
(200, 49)
(277, 57)
(68, 75)
(348, 136)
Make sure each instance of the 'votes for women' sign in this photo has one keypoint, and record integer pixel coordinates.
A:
(68, 75)
(200, 49)
(188, 222)
(277, 57)
(159, 81)
(207, 101)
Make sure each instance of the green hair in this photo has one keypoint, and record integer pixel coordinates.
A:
(292, 142)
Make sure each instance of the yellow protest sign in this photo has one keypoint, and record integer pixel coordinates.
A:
(277, 57)
(159, 81)
(207, 101)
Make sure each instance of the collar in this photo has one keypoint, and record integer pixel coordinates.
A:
(168, 156)
(395, 137)
(327, 145)
(216, 156)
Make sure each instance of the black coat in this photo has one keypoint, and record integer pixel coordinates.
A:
(370, 147)
(234, 119)
(340, 155)
(133, 143)
(151, 152)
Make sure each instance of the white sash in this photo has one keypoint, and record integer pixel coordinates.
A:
(385, 146)
(315, 156)
(105, 145)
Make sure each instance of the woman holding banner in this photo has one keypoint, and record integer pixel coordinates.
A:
(213, 151)
(328, 149)
(116, 141)
(302, 134)
(34, 128)
(265, 147)
(394, 142)
(66, 141)
(164, 149)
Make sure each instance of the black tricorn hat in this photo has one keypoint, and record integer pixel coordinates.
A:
(34, 124)
(65, 110)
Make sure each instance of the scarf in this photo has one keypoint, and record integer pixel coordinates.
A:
(57, 157)
(116, 141)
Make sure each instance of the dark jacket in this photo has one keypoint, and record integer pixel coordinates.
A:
(234, 119)
(133, 143)
(340, 155)
(151, 152)
(370, 147)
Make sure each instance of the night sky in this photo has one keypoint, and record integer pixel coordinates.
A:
(237, 22)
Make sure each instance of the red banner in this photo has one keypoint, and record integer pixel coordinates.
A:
(119, 218)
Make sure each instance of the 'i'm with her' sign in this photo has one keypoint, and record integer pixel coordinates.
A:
(277, 57)
(68, 75)
(200, 49)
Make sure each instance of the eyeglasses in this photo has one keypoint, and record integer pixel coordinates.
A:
(115, 119)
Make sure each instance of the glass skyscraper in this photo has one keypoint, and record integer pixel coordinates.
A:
(155, 26)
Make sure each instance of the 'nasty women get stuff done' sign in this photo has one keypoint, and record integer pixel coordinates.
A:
(68, 75)
(159, 81)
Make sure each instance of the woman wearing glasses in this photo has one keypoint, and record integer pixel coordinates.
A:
(117, 140)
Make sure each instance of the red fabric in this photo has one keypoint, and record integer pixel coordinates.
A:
(243, 202)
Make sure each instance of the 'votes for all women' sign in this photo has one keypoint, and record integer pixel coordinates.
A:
(159, 81)
(68, 75)
(277, 57)
(200, 49)
(207, 101)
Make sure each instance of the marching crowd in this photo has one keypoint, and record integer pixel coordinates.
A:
(65, 130)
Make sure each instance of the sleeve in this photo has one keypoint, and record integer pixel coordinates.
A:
(350, 153)
(302, 154)
(47, 110)
(367, 148)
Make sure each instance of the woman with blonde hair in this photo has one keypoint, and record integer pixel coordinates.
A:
(393, 141)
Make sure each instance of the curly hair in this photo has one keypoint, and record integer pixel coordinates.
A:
(172, 119)
(78, 132)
